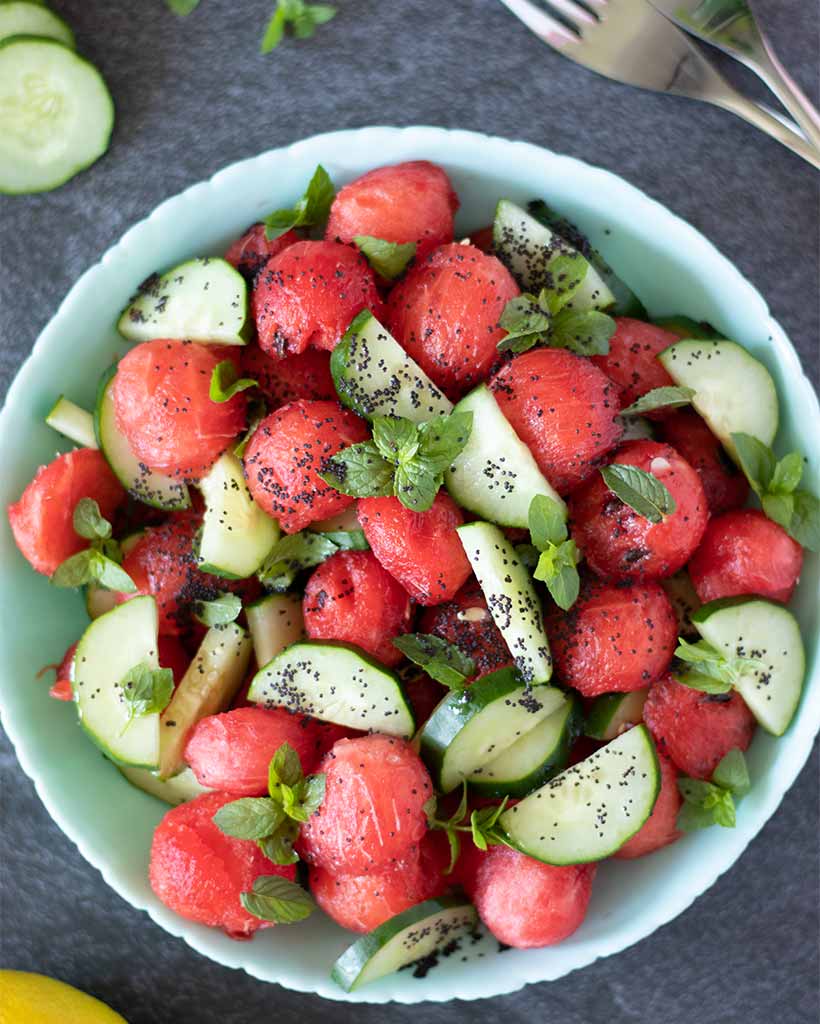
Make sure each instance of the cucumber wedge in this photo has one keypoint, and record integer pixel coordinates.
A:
(176, 790)
(768, 633)
(469, 728)
(57, 114)
(404, 939)
(734, 392)
(511, 598)
(111, 646)
(612, 713)
(275, 623)
(27, 19)
(527, 247)
(590, 810)
(686, 327)
(335, 683)
(204, 300)
(535, 758)
(208, 687)
(236, 534)
(150, 488)
(71, 421)
(495, 475)
(374, 376)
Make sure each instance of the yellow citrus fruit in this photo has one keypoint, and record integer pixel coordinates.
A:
(35, 999)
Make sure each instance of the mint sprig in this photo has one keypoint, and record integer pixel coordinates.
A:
(305, 550)
(182, 7)
(403, 459)
(146, 690)
(712, 671)
(388, 259)
(713, 803)
(312, 209)
(99, 563)
(277, 899)
(659, 398)
(220, 611)
(226, 382)
(775, 482)
(89, 522)
(440, 659)
(641, 491)
(302, 19)
(557, 555)
(481, 825)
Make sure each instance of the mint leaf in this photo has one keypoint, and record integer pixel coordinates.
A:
(249, 818)
(567, 272)
(704, 683)
(220, 611)
(285, 769)
(732, 773)
(416, 486)
(302, 18)
(641, 491)
(225, 382)
(526, 319)
(396, 438)
(787, 474)
(146, 690)
(756, 460)
(88, 521)
(805, 523)
(454, 841)
(277, 899)
(440, 659)
(182, 7)
(557, 569)
(692, 817)
(312, 209)
(547, 522)
(347, 540)
(388, 259)
(312, 793)
(660, 398)
(360, 471)
(92, 566)
(779, 508)
(278, 846)
(305, 550)
(712, 664)
(705, 804)
(443, 438)
(586, 333)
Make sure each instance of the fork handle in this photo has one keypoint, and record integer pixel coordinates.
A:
(789, 93)
(755, 115)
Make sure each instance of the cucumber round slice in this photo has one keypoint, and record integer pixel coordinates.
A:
(470, 727)
(768, 633)
(590, 810)
(335, 683)
(535, 758)
(734, 392)
(203, 300)
(402, 940)
(57, 114)
(111, 646)
(71, 421)
(150, 488)
(27, 19)
(614, 712)
(176, 790)
(275, 622)
(495, 476)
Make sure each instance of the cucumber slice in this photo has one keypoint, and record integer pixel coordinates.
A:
(275, 623)
(613, 713)
(98, 600)
(590, 810)
(111, 646)
(685, 601)
(176, 790)
(511, 598)
(203, 300)
(150, 488)
(767, 632)
(734, 392)
(374, 376)
(27, 19)
(402, 940)
(686, 327)
(527, 247)
(57, 114)
(71, 421)
(495, 475)
(335, 683)
(535, 758)
(470, 727)
(236, 534)
(208, 687)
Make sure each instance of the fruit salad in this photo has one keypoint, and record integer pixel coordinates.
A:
(424, 572)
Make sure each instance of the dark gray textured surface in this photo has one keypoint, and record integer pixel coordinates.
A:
(194, 95)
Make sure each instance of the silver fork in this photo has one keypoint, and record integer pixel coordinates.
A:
(630, 41)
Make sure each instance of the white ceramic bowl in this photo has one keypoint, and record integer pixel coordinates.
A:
(671, 267)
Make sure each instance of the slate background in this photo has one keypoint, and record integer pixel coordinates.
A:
(193, 95)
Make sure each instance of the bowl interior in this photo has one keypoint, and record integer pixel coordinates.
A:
(672, 269)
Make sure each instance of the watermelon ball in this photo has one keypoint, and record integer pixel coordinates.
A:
(725, 487)
(285, 455)
(306, 375)
(409, 202)
(361, 903)
(527, 904)
(620, 544)
(632, 361)
(420, 549)
(231, 752)
(696, 730)
(445, 314)
(308, 294)
(42, 519)
(199, 872)
(352, 598)
(563, 408)
(373, 812)
(423, 693)
(466, 622)
(162, 403)
(660, 828)
(743, 552)
(171, 654)
(615, 638)
(249, 253)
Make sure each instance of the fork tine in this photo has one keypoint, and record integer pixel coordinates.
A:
(576, 14)
(538, 21)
